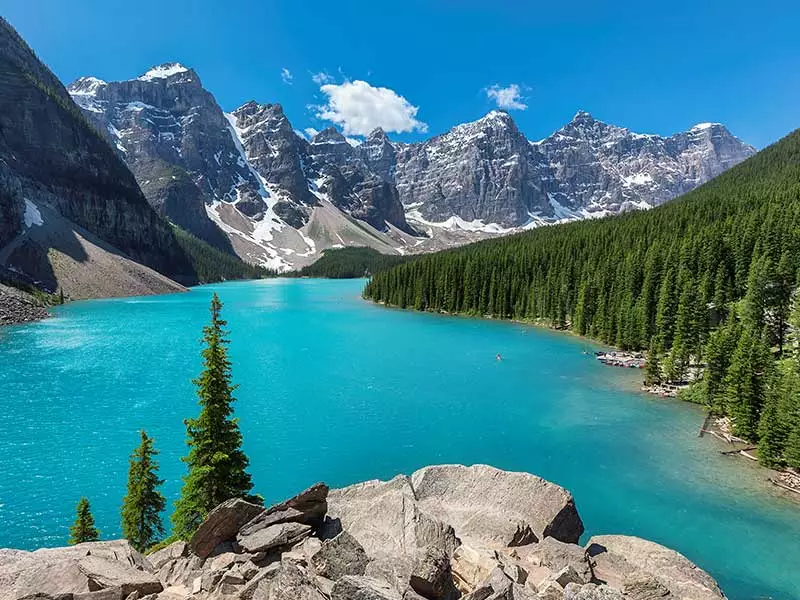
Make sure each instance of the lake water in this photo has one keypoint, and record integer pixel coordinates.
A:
(334, 388)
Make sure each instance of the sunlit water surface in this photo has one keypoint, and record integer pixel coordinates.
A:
(334, 388)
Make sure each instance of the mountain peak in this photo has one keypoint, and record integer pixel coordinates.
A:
(164, 71)
(705, 126)
(85, 86)
(582, 116)
(329, 135)
(377, 134)
(494, 115)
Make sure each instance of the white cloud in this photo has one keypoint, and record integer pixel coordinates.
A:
(359, 107)
(321, 78)
(287, 76)
(509, 98)
(311, 132)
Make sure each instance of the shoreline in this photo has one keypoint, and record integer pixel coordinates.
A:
(786, 481)
(18, 307)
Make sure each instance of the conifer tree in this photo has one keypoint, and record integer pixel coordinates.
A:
(792, 452)
(216, 463)
(771, 435)
(652, 374)
(83, 530)
(143, 504)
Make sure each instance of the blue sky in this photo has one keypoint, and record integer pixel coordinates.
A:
(652, 69)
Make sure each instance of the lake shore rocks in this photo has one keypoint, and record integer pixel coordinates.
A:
(18, 307)
(443, 533)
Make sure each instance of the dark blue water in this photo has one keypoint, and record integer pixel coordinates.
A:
(334, 388)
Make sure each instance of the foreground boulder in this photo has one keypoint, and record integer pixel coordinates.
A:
(222, 524)
(113, 568)
(497, 507)
(643, 568)
(444, 533)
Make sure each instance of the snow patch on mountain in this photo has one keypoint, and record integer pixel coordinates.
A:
(163, 71)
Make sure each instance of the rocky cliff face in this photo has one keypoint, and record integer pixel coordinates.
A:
(601, 169)
(53, 162)
(244, 181)
(487, 173)
(482, 171)
(445, 532)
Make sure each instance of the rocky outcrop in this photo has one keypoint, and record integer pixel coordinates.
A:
(403, 539)
(114, 568)
(495, 507)
(643, 569)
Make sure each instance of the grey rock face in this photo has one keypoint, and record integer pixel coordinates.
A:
(604, 169)
(274, 536)
(339, 556)
(497, 507)
(222, 524)
(363, 588)
(624, 560)
(307, 507)
(276, 153)
(487, 170)
(81, 569)
(176, 140)
(51, 157)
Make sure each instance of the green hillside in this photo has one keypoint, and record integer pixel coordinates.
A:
(709, 278)
(211, 264)
(350, 263)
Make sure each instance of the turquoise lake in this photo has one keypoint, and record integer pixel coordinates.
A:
(334, 388)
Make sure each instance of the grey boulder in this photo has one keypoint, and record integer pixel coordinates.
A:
(222, 524)
(497, 508)
(618, 558)
(340, 556)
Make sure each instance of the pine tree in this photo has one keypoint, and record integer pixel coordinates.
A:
(83, 529)
(792, 452)
(143, 504)
(652, 374)
(771, 436)
(216, 463)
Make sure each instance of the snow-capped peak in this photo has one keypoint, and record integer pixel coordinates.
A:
(493, 115)
(582, 115)
(163, 71)
(704, 126)
(86, 86)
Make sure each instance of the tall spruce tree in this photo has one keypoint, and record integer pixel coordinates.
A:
(652, 374)
(792, 452)
(216, 463)
(83, 530)
(143, 504)
(771, 436)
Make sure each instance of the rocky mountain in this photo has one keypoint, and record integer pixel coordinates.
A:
(71, 214)
(443, 533)
(243, 181)
(247, 182)
(486, 175)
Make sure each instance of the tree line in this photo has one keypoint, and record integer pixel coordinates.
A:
(216, 464)
(350, 263)
(707, 283)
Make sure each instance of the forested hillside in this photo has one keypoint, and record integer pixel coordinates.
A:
(707, 280)
(350, 263)
(211, 264)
